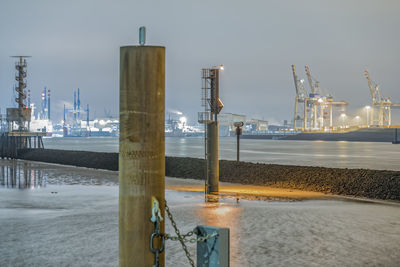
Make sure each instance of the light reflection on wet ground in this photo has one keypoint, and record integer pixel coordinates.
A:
(17, 174)
(29, 174)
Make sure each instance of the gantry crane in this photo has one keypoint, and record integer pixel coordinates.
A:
(313, 104)
(300, 113)
(383, 104)
(315, 98)
(321, 103)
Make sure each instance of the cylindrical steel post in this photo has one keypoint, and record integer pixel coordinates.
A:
(212, 158)
(141, 150)
(237, 145)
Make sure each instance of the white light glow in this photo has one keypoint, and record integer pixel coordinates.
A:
(183, 120)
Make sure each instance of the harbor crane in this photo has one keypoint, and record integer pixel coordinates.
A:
(321, 103)
(315, 98)
(383, 104)
(314, 104)
(300, 114)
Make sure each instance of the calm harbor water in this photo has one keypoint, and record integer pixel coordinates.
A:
(370, 155)
(68, 216)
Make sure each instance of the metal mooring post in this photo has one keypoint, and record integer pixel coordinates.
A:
(238, 126)
(141, 153)
(214, 250)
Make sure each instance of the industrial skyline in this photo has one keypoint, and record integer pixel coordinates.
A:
(257, 43)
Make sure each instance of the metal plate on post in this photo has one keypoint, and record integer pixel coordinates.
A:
(16, 114)
(214, 251)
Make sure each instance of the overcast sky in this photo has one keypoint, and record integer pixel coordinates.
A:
(76, 44)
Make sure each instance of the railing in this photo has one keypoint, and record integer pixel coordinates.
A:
(204, 117)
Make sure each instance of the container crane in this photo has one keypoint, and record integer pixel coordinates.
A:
(319, 103)
(301, 95)
(315, 97)
(383, 104)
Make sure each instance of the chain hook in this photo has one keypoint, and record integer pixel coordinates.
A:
(156, 218)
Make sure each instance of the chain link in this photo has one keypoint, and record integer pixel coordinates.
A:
(179, 236)
(182, 238)
(191, 240)
(156, 219)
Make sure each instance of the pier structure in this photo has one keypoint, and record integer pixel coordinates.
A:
(209, 117)
(18, 134)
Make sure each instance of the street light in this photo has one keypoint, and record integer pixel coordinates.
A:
(220, 67)
(358, 120)
(183, 121)
(367, 108)
(343, 116)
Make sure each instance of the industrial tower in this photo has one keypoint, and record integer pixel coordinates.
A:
(22, 114)
(212, 107)
(75, 126)
(19, 137)
(45, 108)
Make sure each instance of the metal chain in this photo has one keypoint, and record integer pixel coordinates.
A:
(209, 252)
(191, 240)
(156, 219)
(182, 238)
(179, 236)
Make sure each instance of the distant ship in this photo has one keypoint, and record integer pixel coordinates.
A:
(42, 125)
(41, 122)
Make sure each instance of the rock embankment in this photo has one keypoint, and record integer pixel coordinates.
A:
(353, 182)
(96, 160)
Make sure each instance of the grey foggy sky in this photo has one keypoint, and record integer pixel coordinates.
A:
(76, 44)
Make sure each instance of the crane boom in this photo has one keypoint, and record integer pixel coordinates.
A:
(371, 88)
(296, 80)
(310, 79)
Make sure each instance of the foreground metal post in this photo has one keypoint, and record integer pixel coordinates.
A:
(214, 251)
(141, 151)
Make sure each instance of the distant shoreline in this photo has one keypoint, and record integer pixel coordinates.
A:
(361, 135)
(374, 184)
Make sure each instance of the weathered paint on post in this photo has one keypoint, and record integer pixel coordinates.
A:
(141, 150)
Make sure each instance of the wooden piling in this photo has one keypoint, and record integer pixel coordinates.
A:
(141, 151)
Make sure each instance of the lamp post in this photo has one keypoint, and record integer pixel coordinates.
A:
(367, 109)
(343, 116)
(357, 120)
(238, 126)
